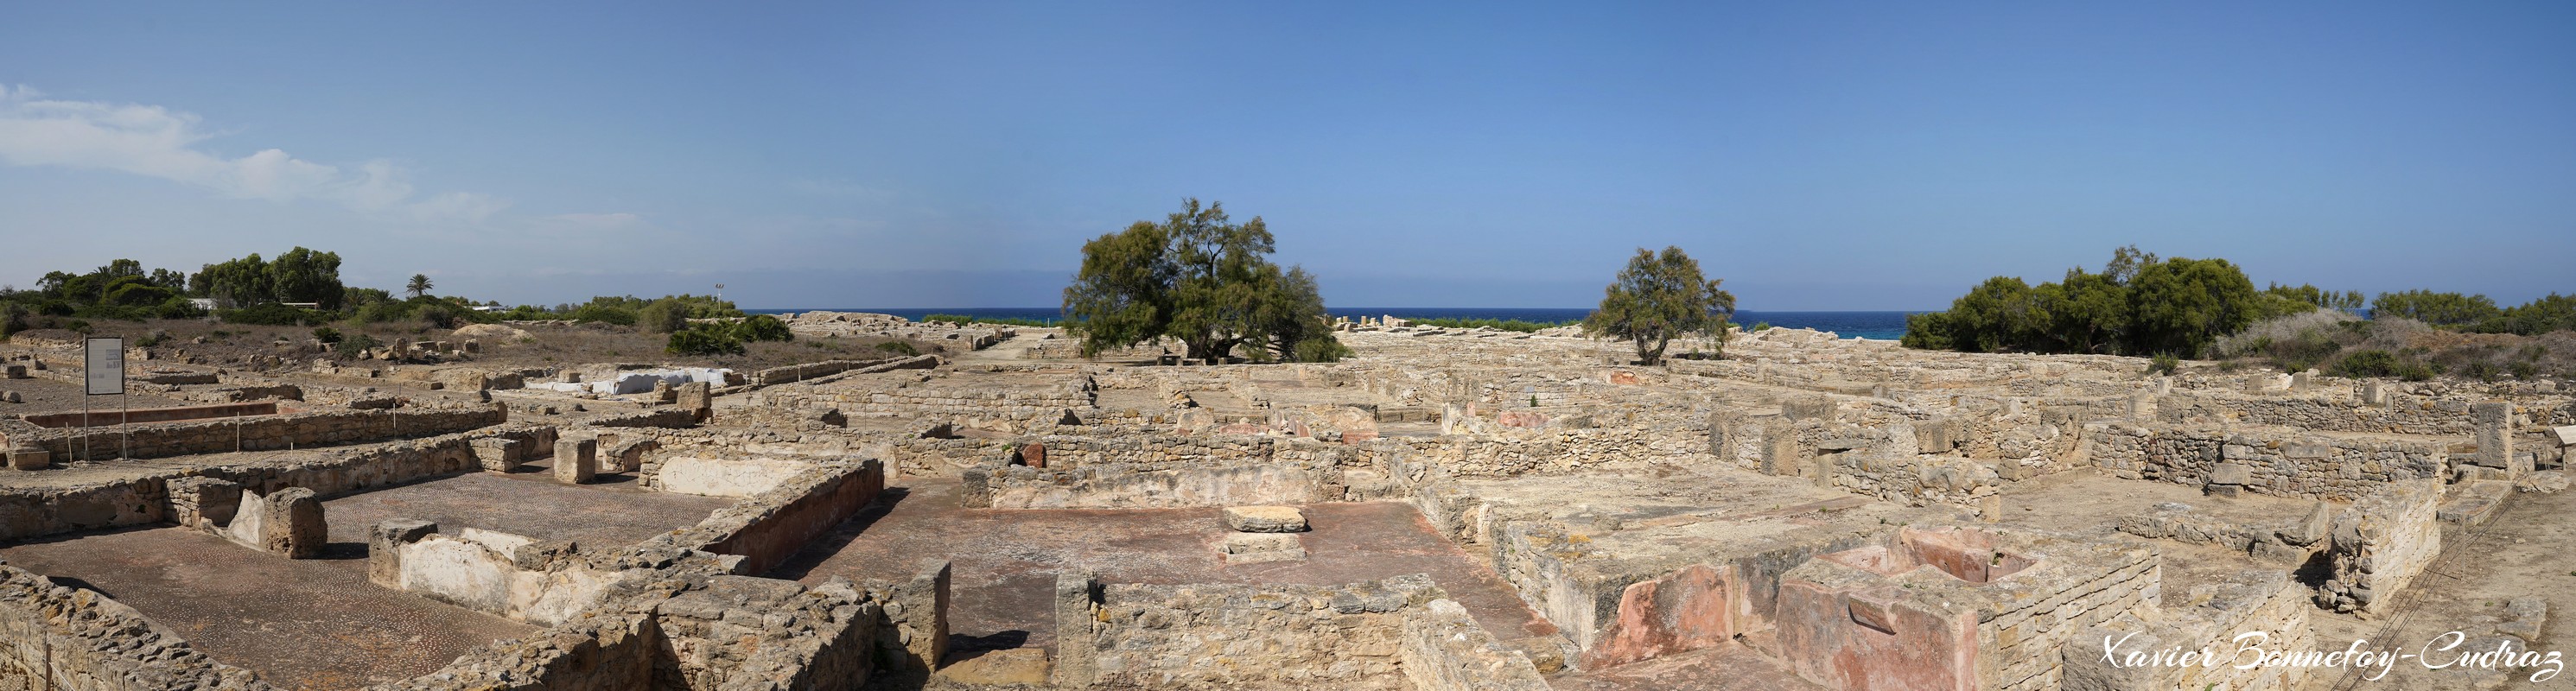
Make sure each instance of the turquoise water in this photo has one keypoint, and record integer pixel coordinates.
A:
(1887, 325)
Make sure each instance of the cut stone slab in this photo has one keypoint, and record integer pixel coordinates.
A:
(1265, 519)
(1255, 548)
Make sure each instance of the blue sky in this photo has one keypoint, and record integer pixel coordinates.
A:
(1815, 155)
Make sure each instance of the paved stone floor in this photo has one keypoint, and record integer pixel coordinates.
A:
(1004, 562)
(311, 623)
(614, 512)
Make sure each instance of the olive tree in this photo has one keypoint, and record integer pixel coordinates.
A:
(1659, 297)
(1203, 280)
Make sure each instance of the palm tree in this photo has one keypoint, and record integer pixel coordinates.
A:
(418, 286)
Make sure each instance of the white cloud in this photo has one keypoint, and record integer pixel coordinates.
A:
(158, 142)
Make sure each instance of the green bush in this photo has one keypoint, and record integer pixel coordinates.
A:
(2480, 370)
(354, 345)
(704, 339)
(666, 315)
(2525, 370)
(903, 348)
(1321, 350)
(326, 335)
(2164, 363)
(274, 315)
(762, 327)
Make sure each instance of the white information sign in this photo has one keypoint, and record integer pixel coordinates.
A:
(105, 365)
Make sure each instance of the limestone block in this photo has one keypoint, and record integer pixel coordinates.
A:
(576, 460)
(2230, 474)
(30, 459)
(1255, 548)
(2309, 530)
(499, 454)
(293, 524)
(15, 372)
(2495, 433)
(384, 548)
(1265, 519)
(2543, 482)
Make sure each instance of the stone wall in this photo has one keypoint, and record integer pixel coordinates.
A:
(330, 428)
(734, 476)
(52, 637)
(34, 511)
(1236, 636)
(2379, 544)
(497, 573)
(2249, 601)
(1125, 486)
(2278, 462)
(767, 529)
(2339, 409)
(1443, 649)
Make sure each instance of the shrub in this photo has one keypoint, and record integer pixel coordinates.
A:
(704, 340)
(2480, 370)
(2525, 370)
(762, 327)
(76, 325)
(1321, 350)
(2164, 363)
(899, 347)
(156, 337)
(354, 345)
(326, 335)
(274, 315)
(663, 316)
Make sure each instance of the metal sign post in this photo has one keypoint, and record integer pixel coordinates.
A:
(103, 368)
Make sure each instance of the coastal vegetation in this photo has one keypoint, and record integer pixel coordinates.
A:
(1202, 280)
(2139, 304)
(2207, 308)
(1659, 297)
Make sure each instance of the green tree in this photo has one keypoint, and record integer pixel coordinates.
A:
(241, 282)
(2088, 312)
(2539, 316)
(663, 316)
(1198, 278)
(1659, 297)
(2180, 305)
(303, 275)
(2435, 308)
(418, 286)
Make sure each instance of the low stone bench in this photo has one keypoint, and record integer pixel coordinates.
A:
(1265, 519)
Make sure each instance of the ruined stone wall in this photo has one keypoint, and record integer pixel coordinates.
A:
(2249, 601)
(52, 637)
(1443, 649)
(2380, 543)
(2278, 462)
(514, 577)
(816, 370)
(663, 417)
(328, 428)
(766, 529)
(1128, 486)
(2020, 647)
(34, 511)
(732, 633)
(1237, 636)
(2340, 411)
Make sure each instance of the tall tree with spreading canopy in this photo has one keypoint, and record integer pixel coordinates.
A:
(1657, 298)
(303, 275)
(1203, 280)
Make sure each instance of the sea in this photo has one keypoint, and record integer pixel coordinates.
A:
(1882, 325)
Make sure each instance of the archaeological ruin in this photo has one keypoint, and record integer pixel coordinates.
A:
(1447, 510)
